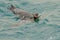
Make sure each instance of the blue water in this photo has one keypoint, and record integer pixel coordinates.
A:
(48, 29)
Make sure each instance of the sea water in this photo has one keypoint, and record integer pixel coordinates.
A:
(46, 29)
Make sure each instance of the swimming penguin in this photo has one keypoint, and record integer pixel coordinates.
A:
(22, 14)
